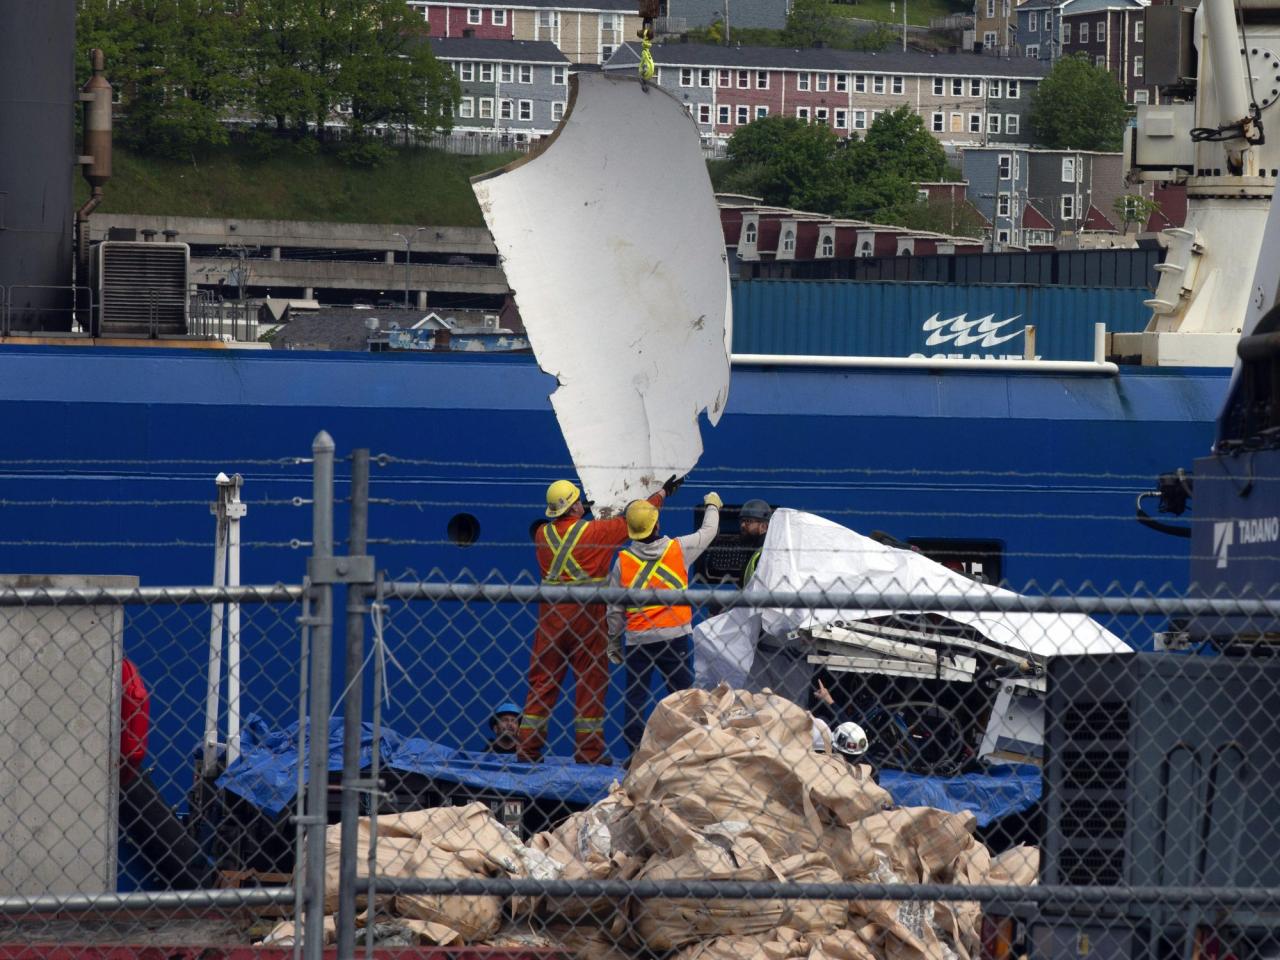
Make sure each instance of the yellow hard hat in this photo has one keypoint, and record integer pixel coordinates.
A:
(561, 495)
(642, 517)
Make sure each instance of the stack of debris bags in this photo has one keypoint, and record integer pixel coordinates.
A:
(725, 786)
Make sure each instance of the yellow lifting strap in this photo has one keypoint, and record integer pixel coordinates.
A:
(647, 69)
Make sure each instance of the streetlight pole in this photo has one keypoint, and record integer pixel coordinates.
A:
(408, 251)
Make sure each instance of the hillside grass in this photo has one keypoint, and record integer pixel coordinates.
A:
(919, 12)
(292, 182)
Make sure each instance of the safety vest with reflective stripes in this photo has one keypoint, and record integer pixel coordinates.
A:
(750, 570)
(667, 572)
(564, 567)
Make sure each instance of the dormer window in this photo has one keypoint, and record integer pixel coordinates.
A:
(749, 234)
(828, 246)
(789, 242)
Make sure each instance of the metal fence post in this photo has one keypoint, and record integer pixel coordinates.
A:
(321, 677)
(352, 709)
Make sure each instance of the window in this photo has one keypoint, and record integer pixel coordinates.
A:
(486, 73)
(1033, 22)
(466, 72)
(761, 112)
(898, 85)
(877, 84)
(722, 114)
(859, 119)
(744, 79)
(744, 115)
(498, 17)
(526, 73)
(937, 123)
(975, 123)
(820, 115)
(474, 16)
(1101, 33)
(1099, 61)
(559, 76)
(506, 72)
(975, 88)
(991, 9)
(1084, 31)
(762, 79)
(1002, 236)
(802, 113)
(922, 196)
(957, 87)
(1138, 66)
(988, 40)
(1139, 31)
(1068, 206)
(548, 27)
(789, 241)
(704, 113)
(864, 248)
(1141, 96)
(828, 246)
(957, 123)
(1004, 162)
(802, 81)
(1068, 169)
(466, 107)
(993, 123)
(876, 115)
(704, 78)
(822, 82)
(557, 111)
(1033, 51)
(1066, 31)
(1010, 123)
(859, 83)
(612, 22)
(749, 233)
(995, 89)
(842, 119)
(526, 109)
(486, 108)
(937, 86)
(724, 78)
(1002, 205)
(1011, 90)
(506, 109)
(842, 83)
(686, 77)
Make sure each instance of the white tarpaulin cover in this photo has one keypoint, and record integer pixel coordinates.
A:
(611, 241)
(804, 551)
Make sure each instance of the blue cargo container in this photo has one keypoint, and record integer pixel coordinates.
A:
(844, 318)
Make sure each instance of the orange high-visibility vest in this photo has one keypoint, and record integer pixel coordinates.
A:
(665, 573)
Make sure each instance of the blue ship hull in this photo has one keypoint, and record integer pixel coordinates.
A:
(126, 442)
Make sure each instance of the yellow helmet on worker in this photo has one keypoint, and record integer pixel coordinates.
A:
(642, 517)
(561, 495)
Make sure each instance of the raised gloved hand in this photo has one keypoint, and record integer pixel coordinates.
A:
(672, 484)
(614, 650)
(713, 500)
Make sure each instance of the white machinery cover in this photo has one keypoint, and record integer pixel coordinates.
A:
(611, 241)
(804, 551)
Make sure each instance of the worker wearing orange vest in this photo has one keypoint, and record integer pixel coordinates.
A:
(656, 637)
(572, 549)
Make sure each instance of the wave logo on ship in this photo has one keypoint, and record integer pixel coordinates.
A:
(960, 331)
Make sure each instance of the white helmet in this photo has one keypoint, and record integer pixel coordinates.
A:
(850, 739)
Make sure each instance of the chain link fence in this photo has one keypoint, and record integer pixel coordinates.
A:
(863, 752)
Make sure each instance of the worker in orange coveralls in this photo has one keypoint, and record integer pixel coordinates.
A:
(573, 550)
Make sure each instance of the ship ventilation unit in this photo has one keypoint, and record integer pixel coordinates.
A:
(140, 288)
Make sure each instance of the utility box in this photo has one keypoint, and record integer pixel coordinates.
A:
(140, 289)
(1162, 138)
(1169, 36)
(59, 740)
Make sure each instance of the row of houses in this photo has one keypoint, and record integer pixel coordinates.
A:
(1110, 33)
(520, 87)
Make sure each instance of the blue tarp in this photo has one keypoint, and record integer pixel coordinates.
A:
(266, 774)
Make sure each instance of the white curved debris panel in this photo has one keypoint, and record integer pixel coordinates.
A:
(611, 241)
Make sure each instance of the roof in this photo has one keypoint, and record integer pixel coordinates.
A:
(1014, 148)
(1033, 219)
(1073, 7)
(475, 48)
(1096, 220)
(339, 328)
(624, 6)
(1041, 5)
(825, 58)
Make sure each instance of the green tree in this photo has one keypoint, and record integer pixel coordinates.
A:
(956, 218)
(1133, 208)
(1078, 107)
